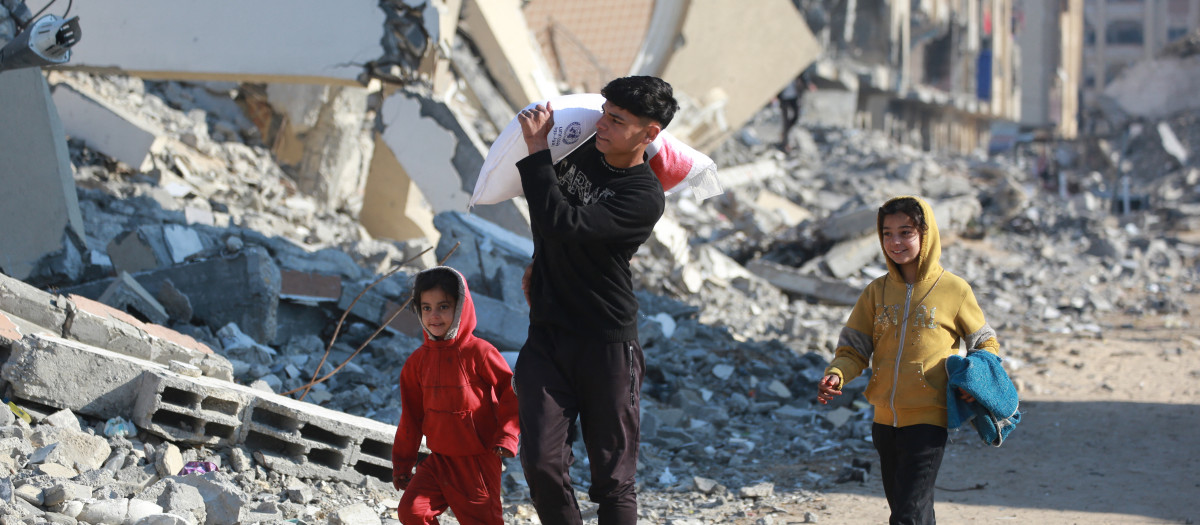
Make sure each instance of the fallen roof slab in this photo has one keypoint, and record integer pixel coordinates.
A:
(312, 41)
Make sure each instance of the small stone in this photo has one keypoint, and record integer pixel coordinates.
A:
(169, 462)
(722, 371)
(238, 460)
(30, 493)
(705, 485)
(765, 489)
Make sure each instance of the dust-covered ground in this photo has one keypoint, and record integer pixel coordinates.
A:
(1108, 435)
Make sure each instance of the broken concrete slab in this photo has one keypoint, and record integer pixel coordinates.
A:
(503, 326)
(69, 447)
(242, 289)
(754, 70)
(142, 248)
(483, 248)
(849, 224)
(176, 304)
(356, 514)
(846, 258)
(104, 127)
(500, 33)
(102, 326)
(9, 331)
(125, 294)
(393, 206)
(1154, 89)
(428, 142)
(61, 373)
(216, 43)
(309, 287)
(790, 212)
(322, 141)
(26, 302)
(789, 280)
(750, 174)
(182, 242)
(39, 200)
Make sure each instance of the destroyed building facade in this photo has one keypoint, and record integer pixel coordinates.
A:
(190, 234)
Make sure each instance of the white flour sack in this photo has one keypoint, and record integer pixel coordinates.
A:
(676, 164)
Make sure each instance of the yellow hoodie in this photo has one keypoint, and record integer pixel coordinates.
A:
(905, 332)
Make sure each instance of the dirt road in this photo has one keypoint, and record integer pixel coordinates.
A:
(1110, 433)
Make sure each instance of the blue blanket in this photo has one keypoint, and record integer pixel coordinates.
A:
(994, 412)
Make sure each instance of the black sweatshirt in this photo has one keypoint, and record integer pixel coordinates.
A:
(588, 219)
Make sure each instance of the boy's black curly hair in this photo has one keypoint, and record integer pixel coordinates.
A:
(908, 206)
(644, 96)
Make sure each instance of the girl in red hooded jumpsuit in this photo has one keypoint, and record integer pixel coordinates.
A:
(456, 390)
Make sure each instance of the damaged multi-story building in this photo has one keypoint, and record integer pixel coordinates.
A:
(941, 74)
(377, 112)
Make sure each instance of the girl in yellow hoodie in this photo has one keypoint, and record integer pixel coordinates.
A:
(904, 326)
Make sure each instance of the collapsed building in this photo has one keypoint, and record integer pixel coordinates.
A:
(191, 239)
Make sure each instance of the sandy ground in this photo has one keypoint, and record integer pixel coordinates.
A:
(1110, 433)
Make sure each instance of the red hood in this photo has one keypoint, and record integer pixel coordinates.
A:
(464, 312)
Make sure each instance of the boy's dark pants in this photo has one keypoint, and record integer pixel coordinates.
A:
(909, 458)
(560, 376)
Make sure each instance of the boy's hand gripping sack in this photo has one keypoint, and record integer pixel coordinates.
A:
(676, 164)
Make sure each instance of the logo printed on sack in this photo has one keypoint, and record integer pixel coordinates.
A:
(574, 130)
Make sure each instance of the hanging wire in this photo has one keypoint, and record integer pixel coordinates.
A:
(70, 4)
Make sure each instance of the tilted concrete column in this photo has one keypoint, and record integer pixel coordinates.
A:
(37, 197)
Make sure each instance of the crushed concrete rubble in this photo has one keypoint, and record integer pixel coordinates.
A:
(209, 284)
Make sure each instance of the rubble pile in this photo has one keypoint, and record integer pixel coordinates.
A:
(742, 298)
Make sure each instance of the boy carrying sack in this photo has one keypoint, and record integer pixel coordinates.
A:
(456, 391)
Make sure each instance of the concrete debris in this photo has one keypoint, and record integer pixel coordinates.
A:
(232, 256)
(127, 295)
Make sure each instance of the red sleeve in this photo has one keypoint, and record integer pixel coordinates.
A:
(494, 371)
(412, 414)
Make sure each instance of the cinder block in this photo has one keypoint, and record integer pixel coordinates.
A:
(195, 410)
(67, 374)
(302, 439)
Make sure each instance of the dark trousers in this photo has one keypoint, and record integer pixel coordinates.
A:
(560, 376)
(909, 458)
(790, 111)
